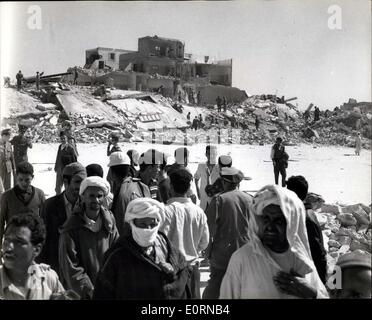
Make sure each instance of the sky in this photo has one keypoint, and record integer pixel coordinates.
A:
(283, 47)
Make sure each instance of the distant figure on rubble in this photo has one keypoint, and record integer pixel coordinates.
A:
(6, 82)
(179, 96)
(280, 160)
(67, 128)
(19, 78)
(195, 123)
(219, 101)
(189, 116)
(224, 103)
(113, 144)
(37, 79)
(327, 113)
(199, 98)
(316, 114)
(76, 75)
(306, 115)
(358, 144)
(257, 123)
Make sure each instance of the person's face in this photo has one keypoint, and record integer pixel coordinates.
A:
(5, 137)
(146, 223)
(73, 188)
(24, 180)
(278, 142)
(356, 283)
(93, 198)
(18, 251)
(272, 228)
(152, 171)
(63, 139)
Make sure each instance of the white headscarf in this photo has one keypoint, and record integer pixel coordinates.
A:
(95, 181)
(295, 215)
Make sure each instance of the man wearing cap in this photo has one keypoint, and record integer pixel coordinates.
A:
(66, 154)
(207, 173)
(356, 275)
(228, 215)
(21, 144)
(143, 264)
(22, 198)
(85, 237)
(56, 210)
(7, 163)
(126, 188)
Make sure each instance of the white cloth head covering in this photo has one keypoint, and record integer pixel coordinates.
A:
(145, 208)
(295, 215)
(95, 181)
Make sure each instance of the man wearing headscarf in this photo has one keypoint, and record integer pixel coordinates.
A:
(143, 264)
(276, 261)
(228, 216)
(85, 237)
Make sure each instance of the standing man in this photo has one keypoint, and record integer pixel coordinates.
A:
(85, 237)
(37, 80)
(189, 116)
(21, 144)
(224, 102)
(199, 98)
(228, 216)
(22, 198)
(56, 210)
(358, 144)
(195, 123)
(19, 78)
(257, 123)
(280, 160)
(76, 75)
(316, 114)
(7, 163)
(207, 173)
(66, 154)
(186, 225)
(218, 100)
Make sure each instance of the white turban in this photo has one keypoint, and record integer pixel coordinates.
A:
(262, 199)
(145, 208)
(95, 181)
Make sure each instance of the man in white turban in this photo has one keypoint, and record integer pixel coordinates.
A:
(86, 236)
(276, 262)
(143, 264)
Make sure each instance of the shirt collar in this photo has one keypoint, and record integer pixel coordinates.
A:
(179, 199)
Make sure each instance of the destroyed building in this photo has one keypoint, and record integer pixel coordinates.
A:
(103, 58)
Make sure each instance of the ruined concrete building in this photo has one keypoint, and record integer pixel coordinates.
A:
(163, 63)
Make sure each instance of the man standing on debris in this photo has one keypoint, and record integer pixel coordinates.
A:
(66, 154)
(280, 160)
(199, 98)
(218, 100)
(228, 216)
(56, 210)
(195, 123)
(316, 114)
(37, 79)
(7, 163)
(21, 144)
(19, 78)
(224, 102)
(358, 144)
(76, 75)
(257, 123)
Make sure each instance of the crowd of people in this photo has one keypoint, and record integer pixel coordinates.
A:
(144, 231)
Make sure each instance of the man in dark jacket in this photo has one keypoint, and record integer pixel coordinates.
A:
(299, 185)
(21, 144)
(66, 154)
(280, 160)
(143, 264)
(56, 210)
(85, 237)
(228, 215)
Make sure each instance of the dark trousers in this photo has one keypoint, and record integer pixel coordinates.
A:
(5, 177)
(280, 168)
(59, 181)
(195, 282)
(212, 290)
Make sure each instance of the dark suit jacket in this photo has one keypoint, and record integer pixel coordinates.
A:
(54, 215)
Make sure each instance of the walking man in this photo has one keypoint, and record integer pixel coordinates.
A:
(280, 160)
